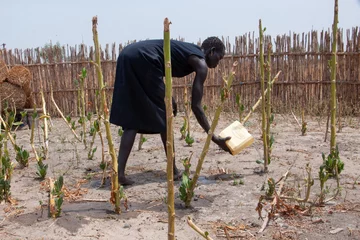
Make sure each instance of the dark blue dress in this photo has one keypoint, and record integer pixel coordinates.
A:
(139, 89)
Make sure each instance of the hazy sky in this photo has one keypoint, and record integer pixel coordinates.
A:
(27, 24)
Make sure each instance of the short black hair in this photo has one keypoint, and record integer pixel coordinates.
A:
(215, 42)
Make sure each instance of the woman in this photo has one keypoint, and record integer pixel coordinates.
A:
(138, 104)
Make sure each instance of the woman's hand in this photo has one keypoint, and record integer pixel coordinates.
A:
(221, 142)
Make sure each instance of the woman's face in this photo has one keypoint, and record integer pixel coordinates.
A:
(213, 58)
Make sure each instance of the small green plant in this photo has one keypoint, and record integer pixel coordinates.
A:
(183, 129)
(238, 182)
(58, 196)
(270, 187)
(71, 122)
(5, 177)
(91, 153)
(89, 118)
(332, 167)
(93, 130)
(22, 156)
(120, 131)
(205, 108)
(185, 181)
(189, 140)
(331, 162)
(240, 106)
(323, 177)
(4, 189)
(41, 169)
(142, 140)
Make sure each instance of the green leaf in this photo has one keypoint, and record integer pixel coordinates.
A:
(260, 161)
(222, 94)
(189, 140)
(34, 115)
(272, 140)
(88, 116)
(92, 131)
(81, 120)
(83, 73)
(237, 99)
(271, 120)
(205, 108)
(97, 125)
(59, 184)
(120, 132)
(102, 165)
(242, 107)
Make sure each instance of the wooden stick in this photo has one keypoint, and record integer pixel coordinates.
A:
(198, 230)
(258, 102)
(296, 119)
(62, 115)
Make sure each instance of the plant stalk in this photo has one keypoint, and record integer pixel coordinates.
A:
(214, 123)
(32, 134)
(140, 141)
(7, 135)
(333, 79)
(45, 118)
(169, 130)
(268, 103)
(115, 191)
(263, 101)
(82, 97)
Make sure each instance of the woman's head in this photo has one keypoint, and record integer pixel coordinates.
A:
(214, 50)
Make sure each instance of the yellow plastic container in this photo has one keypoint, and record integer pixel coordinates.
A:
(240, 137)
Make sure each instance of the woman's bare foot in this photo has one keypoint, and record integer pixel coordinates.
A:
(125, 181)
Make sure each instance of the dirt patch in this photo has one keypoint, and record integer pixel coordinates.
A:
(226, 196)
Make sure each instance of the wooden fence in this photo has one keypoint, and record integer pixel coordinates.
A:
(303, 83)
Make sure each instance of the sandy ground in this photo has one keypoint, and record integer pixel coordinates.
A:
(220, 200)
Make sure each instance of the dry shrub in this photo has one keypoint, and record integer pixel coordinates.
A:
(14, 95)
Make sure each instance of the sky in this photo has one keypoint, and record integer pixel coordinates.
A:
(30, 24)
